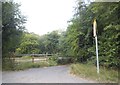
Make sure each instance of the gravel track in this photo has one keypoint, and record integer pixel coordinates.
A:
(55, 74)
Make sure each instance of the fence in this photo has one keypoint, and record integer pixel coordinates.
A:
(35, 55)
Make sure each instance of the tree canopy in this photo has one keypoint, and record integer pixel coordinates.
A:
(79, 35)
(12, 26)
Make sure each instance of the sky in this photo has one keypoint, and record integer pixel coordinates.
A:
(44, 16)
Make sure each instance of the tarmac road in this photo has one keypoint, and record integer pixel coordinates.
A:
(55, 74)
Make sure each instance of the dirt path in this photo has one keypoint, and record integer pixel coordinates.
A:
(56, 74)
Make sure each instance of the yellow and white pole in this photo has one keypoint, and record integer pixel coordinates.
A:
(94, 33)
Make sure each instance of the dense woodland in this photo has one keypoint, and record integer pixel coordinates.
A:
(77, 41)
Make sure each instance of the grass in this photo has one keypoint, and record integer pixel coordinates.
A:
(89, 71)
(26, 65)
(25, 62)
(26, 57)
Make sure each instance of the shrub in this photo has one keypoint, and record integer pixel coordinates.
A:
(8, 64)
(65, 60)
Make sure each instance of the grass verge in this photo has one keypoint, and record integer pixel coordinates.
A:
(9, 64)
(26, 65)
(89, 72)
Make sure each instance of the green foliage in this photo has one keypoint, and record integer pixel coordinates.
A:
(64, 60)
(33, 43)
(78, 36)
(26, 57)
(52, 62)
(12, 28)
(8, 64)
(29, 44)
(109, 46)
(51, 42)
(78, 40)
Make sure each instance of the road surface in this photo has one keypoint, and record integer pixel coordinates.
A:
(55, 74)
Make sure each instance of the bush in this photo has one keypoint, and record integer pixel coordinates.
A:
(65, 60)
(26, 57)
(8, 64)
(52, 63)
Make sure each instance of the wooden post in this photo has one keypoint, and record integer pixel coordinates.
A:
(13, 57)
(33, 59)
(46, 54)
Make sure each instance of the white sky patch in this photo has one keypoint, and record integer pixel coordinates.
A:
(47, 15)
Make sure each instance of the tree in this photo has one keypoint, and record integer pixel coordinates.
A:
(51, 42)
(79, 41)
(29, 44)
(12, 29)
